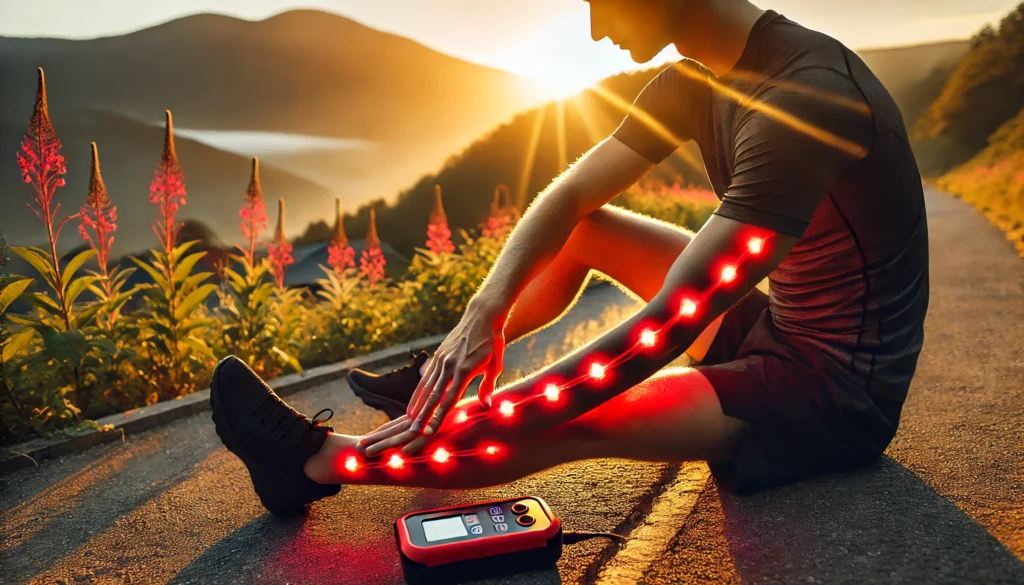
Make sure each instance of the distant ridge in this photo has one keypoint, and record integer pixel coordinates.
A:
(299, 72)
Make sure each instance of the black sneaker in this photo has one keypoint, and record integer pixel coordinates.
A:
(270, 437)
(389, 392)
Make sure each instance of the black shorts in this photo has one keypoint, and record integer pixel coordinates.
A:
(806, 414)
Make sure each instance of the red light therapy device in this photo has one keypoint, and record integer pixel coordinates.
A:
(474, 541)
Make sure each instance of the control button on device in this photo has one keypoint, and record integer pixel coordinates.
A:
(494, 510)
(525, 520)
(520, 508)
(471, 519)
(501, 527)
(498, 518)
(476, 529)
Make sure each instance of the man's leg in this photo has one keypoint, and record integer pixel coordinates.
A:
(672, 416)
(634, 250)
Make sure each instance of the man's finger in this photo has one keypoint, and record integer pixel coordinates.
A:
(428, 382)
(386, 426)
(432, 388)
(382, 434)
(399, 439)
(450, 396)
(415, 445)
(433, 399)
(421, 386)
(491, 374)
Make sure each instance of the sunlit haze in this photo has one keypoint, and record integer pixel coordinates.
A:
(546, 40)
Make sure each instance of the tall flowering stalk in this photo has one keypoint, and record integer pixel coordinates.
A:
(439, 237)
(65, 328)
(280, 251)
(175, 354)
(167, 191)
(99, 215)
(371, 261)
(43, 167)
(340, 255)
(253, 213)
(503, 215)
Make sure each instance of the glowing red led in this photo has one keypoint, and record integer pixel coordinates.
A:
(461, 416)
(648, 338)
(441, 455)
(396, 461)
(728, 273)
(491, 450)
(688, 308)
(551, 391)
(597, 371)
(507, 408)
(351, 464)
(755, 245)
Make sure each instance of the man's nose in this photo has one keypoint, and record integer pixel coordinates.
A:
(597, 29)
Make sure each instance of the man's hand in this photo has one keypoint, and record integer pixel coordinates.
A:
(475, 347)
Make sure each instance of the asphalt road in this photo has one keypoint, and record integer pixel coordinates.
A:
(173, 506)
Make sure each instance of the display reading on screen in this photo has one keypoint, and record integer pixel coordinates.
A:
(443, 528)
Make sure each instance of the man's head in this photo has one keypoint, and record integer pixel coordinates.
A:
(642, 27)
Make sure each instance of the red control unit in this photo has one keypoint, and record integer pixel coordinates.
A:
(475, 541)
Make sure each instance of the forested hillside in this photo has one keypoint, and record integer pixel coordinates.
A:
(985, 90)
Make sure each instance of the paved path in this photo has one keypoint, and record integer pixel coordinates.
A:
(173, 506)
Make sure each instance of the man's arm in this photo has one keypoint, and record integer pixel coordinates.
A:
(723, 262)
(476, 346)
(601, 174)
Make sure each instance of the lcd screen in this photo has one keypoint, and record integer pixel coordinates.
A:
(443, 528)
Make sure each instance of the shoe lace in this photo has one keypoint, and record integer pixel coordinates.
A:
(289, 416)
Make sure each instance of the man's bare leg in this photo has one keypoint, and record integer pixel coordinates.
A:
(634, 250)
(672, 416)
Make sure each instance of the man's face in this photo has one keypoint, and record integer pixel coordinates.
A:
(641, 27)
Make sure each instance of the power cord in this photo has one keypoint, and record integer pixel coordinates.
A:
(574, 536)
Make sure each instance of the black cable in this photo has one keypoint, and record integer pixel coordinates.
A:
(574, 536)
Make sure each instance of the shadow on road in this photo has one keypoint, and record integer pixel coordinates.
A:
(881, 523)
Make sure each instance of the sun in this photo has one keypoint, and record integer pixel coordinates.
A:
(561, 87)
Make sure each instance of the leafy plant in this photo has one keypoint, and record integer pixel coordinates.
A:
(63, 327)
(256, 319)
(175, 358)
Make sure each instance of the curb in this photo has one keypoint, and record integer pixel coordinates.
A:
(147, 417)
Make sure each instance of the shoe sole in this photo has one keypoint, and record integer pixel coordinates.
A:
(272, 498)
(391, 407)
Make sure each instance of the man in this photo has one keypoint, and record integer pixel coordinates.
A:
(819, 192)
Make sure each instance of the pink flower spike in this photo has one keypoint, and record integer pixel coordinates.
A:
(340, 255)
(98, 214)
(280, 251)
(167, 191)
(40, 161)
(254, 212)
(372, 262)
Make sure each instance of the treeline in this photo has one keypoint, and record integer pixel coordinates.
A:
(985, 90)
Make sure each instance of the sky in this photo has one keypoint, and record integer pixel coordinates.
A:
(547, 40)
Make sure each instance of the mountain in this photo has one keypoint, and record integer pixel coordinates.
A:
(914, 75)
(301, 74)
(984, 91)
(129, 151)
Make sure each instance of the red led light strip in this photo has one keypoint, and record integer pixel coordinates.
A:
(597, 370)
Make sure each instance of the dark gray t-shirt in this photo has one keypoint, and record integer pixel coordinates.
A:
(801, 138)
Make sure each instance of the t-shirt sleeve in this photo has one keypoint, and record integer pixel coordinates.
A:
(663, 115)
(792, 140)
